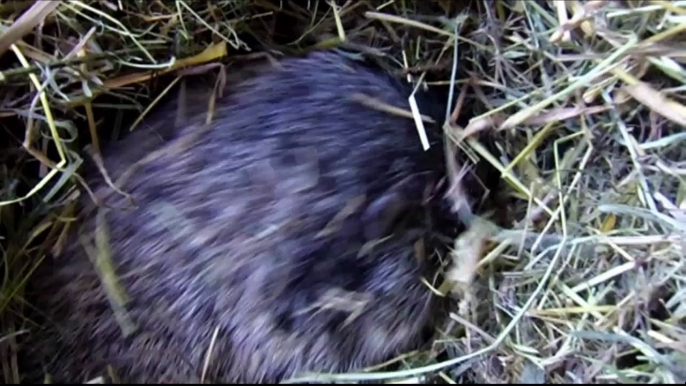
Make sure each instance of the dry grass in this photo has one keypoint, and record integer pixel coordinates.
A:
(582, 100)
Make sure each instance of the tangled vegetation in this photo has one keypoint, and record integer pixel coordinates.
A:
(581, 102)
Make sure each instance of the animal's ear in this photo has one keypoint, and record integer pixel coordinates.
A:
(382, 212)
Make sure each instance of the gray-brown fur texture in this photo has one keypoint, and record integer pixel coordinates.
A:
(283, 236)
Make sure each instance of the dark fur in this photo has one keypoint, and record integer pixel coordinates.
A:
(234, 230)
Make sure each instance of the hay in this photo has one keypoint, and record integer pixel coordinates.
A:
(582, 102)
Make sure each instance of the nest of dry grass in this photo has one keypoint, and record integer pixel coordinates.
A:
(582, 102)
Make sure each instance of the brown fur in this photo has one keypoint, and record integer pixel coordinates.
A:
(227, 236)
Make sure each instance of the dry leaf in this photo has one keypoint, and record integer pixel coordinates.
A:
(608, 223)
(563, 113)
(657, 102)
(469, 247)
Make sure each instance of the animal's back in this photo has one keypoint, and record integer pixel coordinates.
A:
(237, 252)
